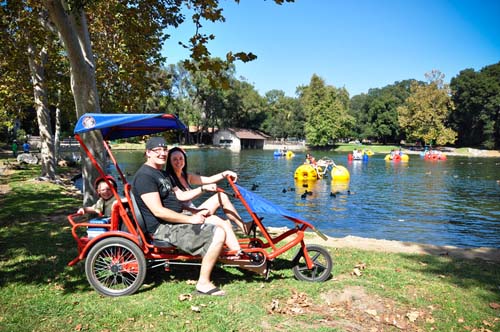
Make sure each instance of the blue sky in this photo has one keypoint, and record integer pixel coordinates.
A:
(358, 45)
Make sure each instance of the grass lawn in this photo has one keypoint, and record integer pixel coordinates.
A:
(375, 148)
(368, 291)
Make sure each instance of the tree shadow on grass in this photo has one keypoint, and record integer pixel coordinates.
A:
(37, 253)
(462, 273)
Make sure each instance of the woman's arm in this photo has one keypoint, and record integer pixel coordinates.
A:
(199, 180)
(188, 195)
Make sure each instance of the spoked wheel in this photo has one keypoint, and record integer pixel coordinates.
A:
(322, 264)
(115, 267)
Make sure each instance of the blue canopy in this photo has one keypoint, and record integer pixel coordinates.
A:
(113, 126)
(262, 205)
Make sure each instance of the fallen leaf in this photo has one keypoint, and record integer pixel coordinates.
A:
(412, 316)
(494, 305)
(195, 308)
(184, 297)
(361, 266)
(372, 312)
(191, 282)
(485, 322)
(297, 310)
(58, 287)
(356, 272)
(78, 327)
(275, 305)
(460, 320)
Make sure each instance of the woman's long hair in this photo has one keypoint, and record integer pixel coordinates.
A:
(170, 169)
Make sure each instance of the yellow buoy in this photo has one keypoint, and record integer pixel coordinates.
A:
(340, 173)
(302, 185)
(405, 157)
(290, 154)
(305, 172)
(339, 186)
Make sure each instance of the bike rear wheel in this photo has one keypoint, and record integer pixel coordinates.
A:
(115, 267)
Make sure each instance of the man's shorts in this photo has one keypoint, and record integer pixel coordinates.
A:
(192, 239)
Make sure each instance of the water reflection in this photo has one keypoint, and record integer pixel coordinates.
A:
(452, 202)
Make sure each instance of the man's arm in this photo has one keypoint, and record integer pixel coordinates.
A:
(153, 202)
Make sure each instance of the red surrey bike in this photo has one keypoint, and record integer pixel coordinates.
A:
(118, 252)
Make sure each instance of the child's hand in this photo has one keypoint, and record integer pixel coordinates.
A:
(81, 211)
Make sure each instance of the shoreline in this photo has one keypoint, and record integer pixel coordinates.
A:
(471, 152)
(400, 247)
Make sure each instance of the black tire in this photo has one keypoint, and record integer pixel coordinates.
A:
(323, 264)
(115, 266)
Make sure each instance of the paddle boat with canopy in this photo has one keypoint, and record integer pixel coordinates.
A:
(118, 252)
(319, 169)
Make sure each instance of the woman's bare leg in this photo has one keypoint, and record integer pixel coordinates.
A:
(223, 201)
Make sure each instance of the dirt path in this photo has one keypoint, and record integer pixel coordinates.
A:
(489, 254)
(4, 188)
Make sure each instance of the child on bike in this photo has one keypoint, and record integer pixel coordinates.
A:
(106, 199)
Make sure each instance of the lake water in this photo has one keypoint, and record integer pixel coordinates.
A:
(453, 202)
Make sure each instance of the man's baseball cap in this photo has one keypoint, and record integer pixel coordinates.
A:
(156, 142)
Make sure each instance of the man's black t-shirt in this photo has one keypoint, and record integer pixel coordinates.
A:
(147, 180)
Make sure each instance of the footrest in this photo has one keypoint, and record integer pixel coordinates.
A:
(161, 243)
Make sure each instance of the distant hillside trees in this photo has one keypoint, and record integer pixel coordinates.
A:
(284, 116)
(376, 112)
(476, 96)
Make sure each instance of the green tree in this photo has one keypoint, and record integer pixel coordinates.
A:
(16, 93)
(245, 107)
(476, 96)
(33, 60)
(376, 112)
(70, 20)
(325, 109)
(427, 110)
(284, 116)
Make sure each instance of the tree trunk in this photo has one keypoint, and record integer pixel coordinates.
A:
(74, 34)
(57, 132)
(37, 69)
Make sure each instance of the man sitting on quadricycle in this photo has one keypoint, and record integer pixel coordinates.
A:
(192, 234)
